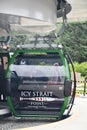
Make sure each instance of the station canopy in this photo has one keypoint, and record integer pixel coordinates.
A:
(38, 16)
(24, 16)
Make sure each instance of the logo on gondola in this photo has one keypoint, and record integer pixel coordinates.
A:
(36, 94)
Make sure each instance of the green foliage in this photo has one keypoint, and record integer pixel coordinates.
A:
(81, 68)
(74, 40)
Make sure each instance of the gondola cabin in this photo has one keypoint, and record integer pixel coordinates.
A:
(39, 82)
(4, 108)
(4, 59)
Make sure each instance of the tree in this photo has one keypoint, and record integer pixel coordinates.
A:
(74, 40)
(81, 68)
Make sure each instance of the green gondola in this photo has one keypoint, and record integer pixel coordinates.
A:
(39, 82)
(4, 108)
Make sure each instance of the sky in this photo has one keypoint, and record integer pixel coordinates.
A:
(79, 10)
